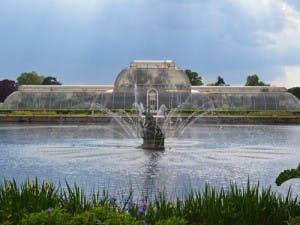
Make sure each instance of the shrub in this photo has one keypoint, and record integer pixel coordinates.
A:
(101, 215)
(48, 217)
(42, 203)
(294, 221)
(172, 221)
(295, 91)
(30, 197)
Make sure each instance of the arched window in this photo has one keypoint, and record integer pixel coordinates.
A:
(152, 100)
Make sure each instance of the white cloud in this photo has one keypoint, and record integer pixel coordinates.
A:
(291, 77)
(288, 37)
(276, 22)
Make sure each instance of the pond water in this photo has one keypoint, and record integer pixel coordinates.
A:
(100, 156)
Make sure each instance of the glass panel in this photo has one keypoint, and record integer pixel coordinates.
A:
(152, 100)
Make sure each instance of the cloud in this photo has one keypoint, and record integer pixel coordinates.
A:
(291, 77)
(288, 37)
(95, 39)
(294, 3)
(276, 22)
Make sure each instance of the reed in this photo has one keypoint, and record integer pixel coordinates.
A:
(34, 202)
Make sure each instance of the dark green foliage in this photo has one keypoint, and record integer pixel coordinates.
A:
(47, 217)
(96, 216)
(186, 112)
(74, 200)
(287, 175)
(133, 112)
(231, 112)
(30, 78)
(195, 79)
(41, 203)
(295, 91)
(73, 111)
(50, 81)
(220, 81)
(227, 206)
(29, 197)
(6, 88)
(6, 111)
(294, 221)
(253, 80)
(296, 113)
(172, 221)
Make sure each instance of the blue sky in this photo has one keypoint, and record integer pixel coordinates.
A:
(90, 41)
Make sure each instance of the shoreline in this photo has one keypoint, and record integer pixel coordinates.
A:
(272, 120)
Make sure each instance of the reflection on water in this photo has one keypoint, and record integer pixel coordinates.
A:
(97, 156)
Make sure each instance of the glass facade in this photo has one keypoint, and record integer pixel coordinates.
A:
(153, 84)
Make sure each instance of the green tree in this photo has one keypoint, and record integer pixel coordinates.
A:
(30, 78)
(253, 80)
(295, 91)
(50, 81)
(220, 82)
(6, 88)
(195, 79)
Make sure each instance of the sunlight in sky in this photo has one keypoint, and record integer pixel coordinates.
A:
(290, 78)
(287, 38)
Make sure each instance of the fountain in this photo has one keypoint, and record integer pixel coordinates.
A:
(113, 154)
(153, 137)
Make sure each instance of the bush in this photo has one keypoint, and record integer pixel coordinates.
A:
(294, 221)
(41, 203)
(73, 111)
(295, 91)
(48, 217)
(172, 221)
(29, 197)
(103, 216)
(5, 111)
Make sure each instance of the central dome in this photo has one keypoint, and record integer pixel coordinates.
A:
(158, 74)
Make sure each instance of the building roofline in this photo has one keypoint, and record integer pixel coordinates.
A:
(152, 61)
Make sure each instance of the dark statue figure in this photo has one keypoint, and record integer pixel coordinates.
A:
(152, 134)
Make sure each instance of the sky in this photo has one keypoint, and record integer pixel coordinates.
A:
(91, 41)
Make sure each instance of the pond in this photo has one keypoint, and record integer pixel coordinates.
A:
(101, 156)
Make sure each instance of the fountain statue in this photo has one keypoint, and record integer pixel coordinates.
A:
(153, 137)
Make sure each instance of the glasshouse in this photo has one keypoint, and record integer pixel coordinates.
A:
(153, 84)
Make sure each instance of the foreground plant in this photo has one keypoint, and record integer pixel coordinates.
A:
(42, 203)
(96, 216)
(285, 176)
(234, 205)
(288, 175)
(17, 200)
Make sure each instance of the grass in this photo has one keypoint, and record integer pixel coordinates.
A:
(34, 202)
(64, 112)
(133, 112)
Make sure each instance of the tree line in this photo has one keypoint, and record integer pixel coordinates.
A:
(27, 78)
(252, 80)
(196, 80)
